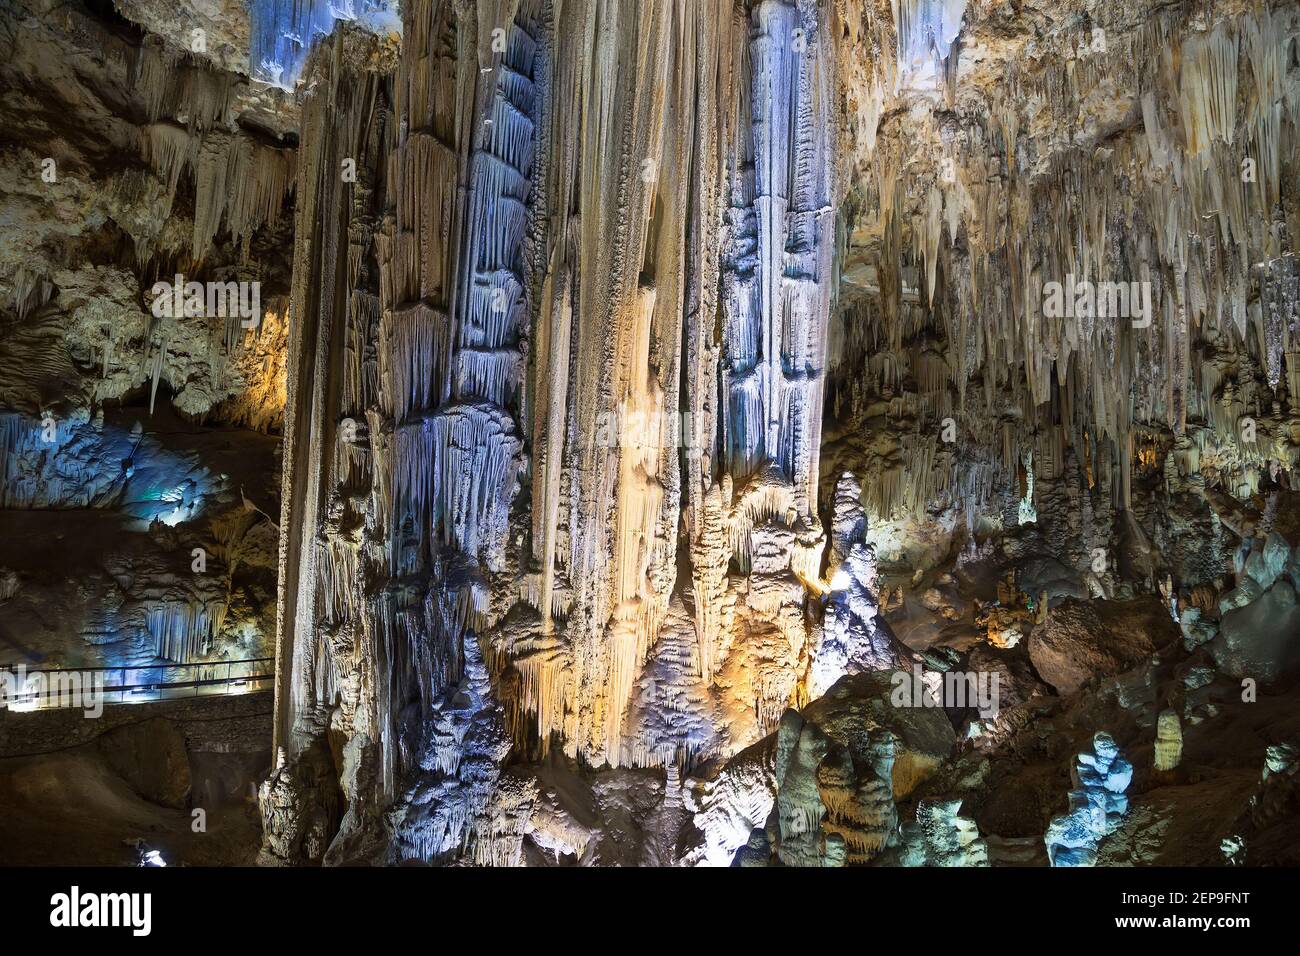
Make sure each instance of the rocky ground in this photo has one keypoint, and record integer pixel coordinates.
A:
(180, 776)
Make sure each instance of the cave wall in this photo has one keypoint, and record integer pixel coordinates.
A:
(138, 443)
(620, 277)
(643, 369)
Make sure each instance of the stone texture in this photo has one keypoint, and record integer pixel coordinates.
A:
(1076, 644)
(151, 757)
(1261, 639)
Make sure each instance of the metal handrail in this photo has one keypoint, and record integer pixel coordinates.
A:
(138, 667)
(43, 698)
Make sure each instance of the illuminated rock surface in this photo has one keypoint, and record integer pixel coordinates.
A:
(1097, 805)
(641, 393)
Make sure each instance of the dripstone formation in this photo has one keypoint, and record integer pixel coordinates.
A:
(678, 432)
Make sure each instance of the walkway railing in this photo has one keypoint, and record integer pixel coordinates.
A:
(24, 689)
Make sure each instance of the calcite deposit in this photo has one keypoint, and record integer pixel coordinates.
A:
(1097, 804)
(672, 432)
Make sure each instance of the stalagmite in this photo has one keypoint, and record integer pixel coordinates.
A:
(1169, 741)
(940, 836)
(1097, 805)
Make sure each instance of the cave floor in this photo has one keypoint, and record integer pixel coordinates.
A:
(70, 808)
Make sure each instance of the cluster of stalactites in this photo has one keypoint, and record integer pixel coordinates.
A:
(620, 660)
(449, 341)
(337, 448)
(608, 340)
(183, 631)
(239, 183)
(777, 264)
(457, 374)
(1169, 244)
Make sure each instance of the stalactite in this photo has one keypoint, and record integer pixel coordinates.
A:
(184, 631)
(336, 644)
(615, 280)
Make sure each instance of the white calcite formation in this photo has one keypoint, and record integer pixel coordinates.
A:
(1169, 741)
(1097, 804)
(732, 809)
(854, 637)
(940, 836)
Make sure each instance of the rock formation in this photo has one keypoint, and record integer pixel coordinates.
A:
(600, 410)
(940, 836)
(1097, 804)
(1169, 741)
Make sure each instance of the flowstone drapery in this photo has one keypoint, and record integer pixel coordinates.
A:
(544, 502)
(693, 431)
(587, 292)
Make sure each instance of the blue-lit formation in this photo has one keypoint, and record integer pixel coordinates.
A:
(282, 31)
